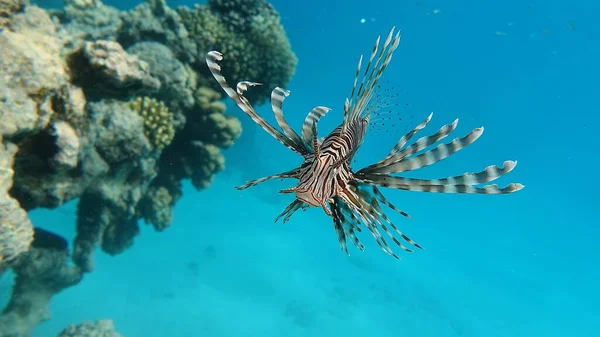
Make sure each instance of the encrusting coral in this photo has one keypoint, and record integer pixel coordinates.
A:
(114, 109)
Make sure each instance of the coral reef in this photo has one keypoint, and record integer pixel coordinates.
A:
(153, 20)
(87, 20)
(158, 120)
(115, 110)
(112, 71)
(8, 8)
(41, 273)
(102, 328)
(250, 33)
(16, 231)
(178, 80)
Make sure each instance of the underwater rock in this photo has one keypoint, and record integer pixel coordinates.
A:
(87, 20)
(105, 69)
(153, 20)
(118, 131)
(32, 73)
(101, 328)
(46, 239)
(178, 81)
(106, 213)
(41, 273)
(68, 146)
(35, 90)
(16, 231)
(157, 204)
(10, 7)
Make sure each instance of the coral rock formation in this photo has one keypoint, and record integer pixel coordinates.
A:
(16, 231)
(41, 273)
(115, 109)
(102, 328)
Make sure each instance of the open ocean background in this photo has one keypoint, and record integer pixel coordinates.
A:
(517, 265)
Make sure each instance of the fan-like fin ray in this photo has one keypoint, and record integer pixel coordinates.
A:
(290, 210)
(360, 98)
(310, 124)
(289, 174)
(212, 59)
(440, 152)
(278, 95)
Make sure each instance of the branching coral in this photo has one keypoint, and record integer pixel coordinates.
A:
(250, 34)
(158, 120)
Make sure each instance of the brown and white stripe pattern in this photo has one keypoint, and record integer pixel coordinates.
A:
(360, 96)
(212, 59)
(352, 198)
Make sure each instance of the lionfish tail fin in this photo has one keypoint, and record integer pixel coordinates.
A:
(212, 60)
(361, 93)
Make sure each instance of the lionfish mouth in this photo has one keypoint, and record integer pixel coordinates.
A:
(359, 203)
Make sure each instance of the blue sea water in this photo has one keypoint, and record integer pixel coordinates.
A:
(524, 264)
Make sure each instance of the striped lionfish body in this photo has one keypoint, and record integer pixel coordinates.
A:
(352, 198)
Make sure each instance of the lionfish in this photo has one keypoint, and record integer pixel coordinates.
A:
(326, 180)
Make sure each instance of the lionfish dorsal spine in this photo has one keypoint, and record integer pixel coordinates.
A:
(278, 95)
(212, 61)
(310, 124)
(378, 62)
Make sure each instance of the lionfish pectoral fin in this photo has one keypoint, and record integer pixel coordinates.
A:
(290, 210)
(464, 183)
(288, 174)
(292, 190)
(327, 210)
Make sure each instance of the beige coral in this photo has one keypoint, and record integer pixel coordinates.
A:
(16, 231)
